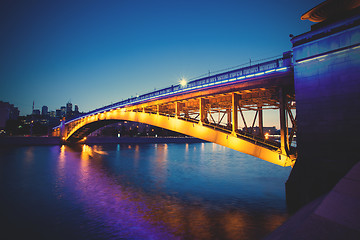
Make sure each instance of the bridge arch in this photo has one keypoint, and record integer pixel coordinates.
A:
(79, 129)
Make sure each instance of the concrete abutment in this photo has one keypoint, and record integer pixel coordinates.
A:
(327, 90)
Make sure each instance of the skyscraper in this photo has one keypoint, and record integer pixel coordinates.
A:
(7, 111)
(68, 108)
(44, 110)
(63, 111)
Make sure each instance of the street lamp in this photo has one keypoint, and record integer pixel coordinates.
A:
(183, 82)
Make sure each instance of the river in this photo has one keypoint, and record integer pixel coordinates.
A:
(138, 191)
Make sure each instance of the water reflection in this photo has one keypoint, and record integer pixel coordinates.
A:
(127, 212)
(160, 167)
(136, 155)
(142, 191)
(130, 212)
(29, 155)
(60, 173)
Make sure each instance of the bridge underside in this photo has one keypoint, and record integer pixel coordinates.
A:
(89, 128)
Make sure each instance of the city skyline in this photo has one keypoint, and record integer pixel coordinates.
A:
(100, 53)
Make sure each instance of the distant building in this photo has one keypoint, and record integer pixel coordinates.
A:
(76, 109)
(14, 112)
(52, 114)
(58, 113)
(7, 111)
(68, 108)
(44, 110)
(268, 130)
(36, 112)
(4, 113)
(63, 111)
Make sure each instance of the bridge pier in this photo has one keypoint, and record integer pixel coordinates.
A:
(327, 90)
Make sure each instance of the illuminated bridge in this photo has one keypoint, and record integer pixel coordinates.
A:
(212, 108)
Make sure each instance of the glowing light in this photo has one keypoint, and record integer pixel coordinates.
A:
(266, 135)
(281, 69)
(183, 82)
(260, 73)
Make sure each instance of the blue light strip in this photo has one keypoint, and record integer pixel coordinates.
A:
(326, 54)
(182, 90)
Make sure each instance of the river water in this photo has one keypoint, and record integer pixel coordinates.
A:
(144, 191)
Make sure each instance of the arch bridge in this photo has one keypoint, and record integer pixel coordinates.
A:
(212, 108)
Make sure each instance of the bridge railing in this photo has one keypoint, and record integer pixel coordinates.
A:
(241, 74)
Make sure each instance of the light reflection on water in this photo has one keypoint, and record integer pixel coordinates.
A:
(150, 191)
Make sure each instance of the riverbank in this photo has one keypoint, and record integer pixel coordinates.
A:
(27, 141)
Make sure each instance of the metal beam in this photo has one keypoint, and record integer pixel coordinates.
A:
(261, 121)
(234, 106)
(202, 110)
(283, 122)
(177, 109)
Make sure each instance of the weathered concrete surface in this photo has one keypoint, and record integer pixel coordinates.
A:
(333, 216)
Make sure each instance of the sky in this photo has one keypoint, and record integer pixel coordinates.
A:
(94, 53)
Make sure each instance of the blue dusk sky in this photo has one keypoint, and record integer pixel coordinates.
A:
(94, 53)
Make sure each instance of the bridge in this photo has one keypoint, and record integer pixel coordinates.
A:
(211, 108)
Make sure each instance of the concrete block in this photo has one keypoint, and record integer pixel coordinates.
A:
(317, 227)
(340, 209)
(354, 174)
(349, 187)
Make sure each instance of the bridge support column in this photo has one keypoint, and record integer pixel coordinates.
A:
(177, 109)
(202, 110)
(234, 105)
(261, 121)
(228, 114)
(283, 122)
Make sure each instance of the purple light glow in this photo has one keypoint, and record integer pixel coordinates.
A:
(122, 210)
